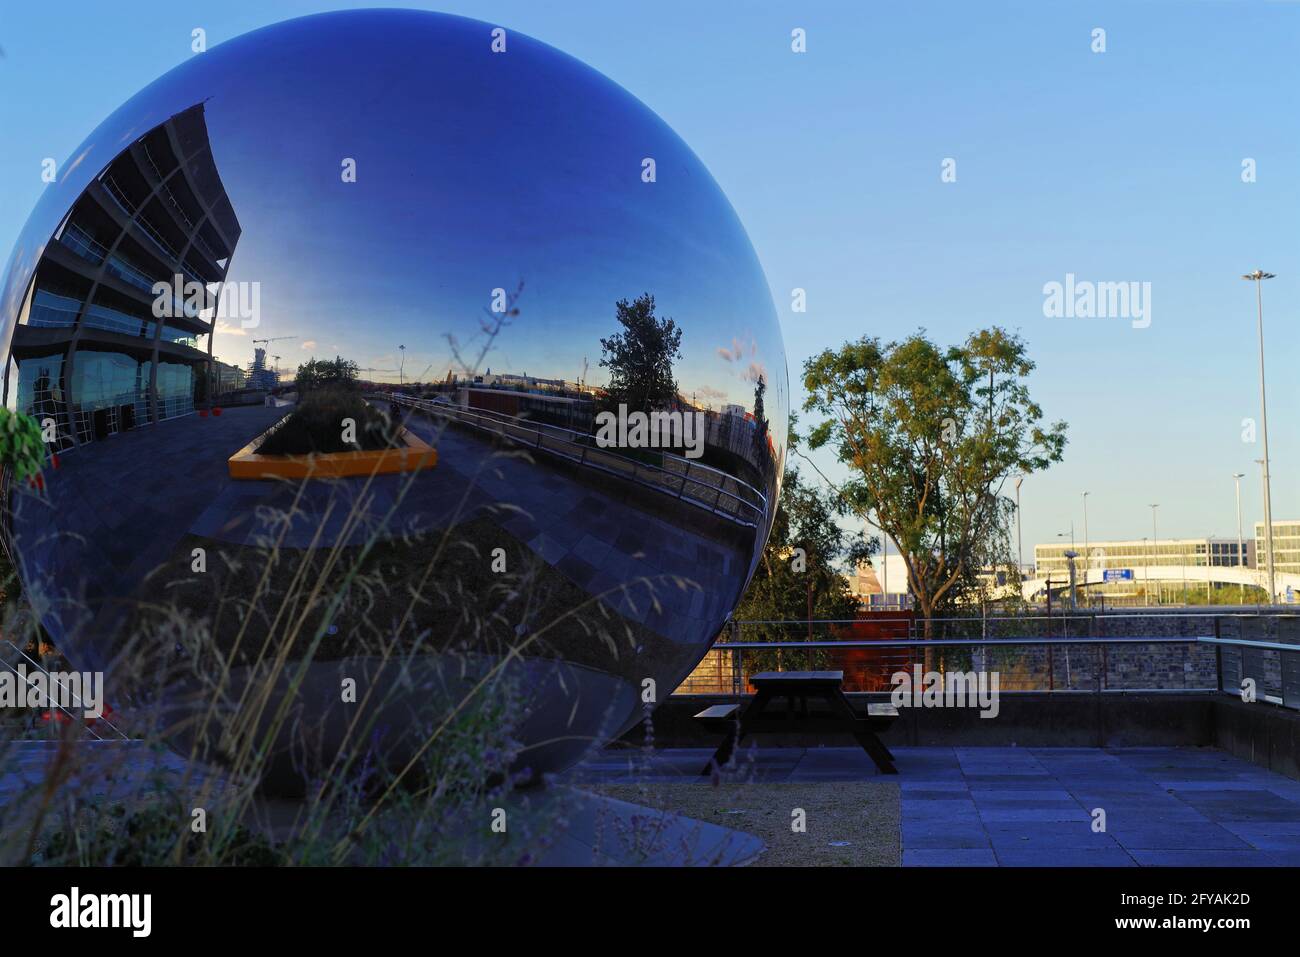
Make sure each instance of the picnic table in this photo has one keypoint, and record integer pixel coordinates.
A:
(797, 688)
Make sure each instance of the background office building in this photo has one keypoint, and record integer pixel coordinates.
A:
(88, 349)
(1286, 544)
(1131, 559)
(1141, 553)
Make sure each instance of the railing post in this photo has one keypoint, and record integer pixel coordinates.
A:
(736, 665)
(1218, 656)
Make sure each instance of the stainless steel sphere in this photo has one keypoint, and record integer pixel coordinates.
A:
(491, 238)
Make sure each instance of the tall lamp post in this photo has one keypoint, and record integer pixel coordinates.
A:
(1146, 560)
(1241, 554)
(1155, 541)
(1258, 276)
(1070, 556)
(1263, 483)
(1020, 548)
(884, 564)
(1087, 552)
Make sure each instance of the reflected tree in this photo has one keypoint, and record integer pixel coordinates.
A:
(640, 357)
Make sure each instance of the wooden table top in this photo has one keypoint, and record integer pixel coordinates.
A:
(797, 677)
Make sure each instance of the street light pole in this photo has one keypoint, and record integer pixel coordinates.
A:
(1155, 539)
(1070, 556)
(1263, 483)
(1146, 561)
(1241, 554)
(884, 564)
(1259, 276)
(1020, 548)
(1087, 552)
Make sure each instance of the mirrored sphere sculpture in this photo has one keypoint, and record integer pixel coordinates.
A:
(389, 361)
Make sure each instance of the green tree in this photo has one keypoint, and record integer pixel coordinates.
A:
(640, 357)
(760, 418)
(930, 437)
(800, 577)
(337, 373)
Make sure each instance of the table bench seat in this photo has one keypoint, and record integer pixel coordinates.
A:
(717, 714)
(837, 716)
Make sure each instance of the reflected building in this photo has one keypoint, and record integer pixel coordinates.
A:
(90, 350)
(258, 375)
(228, 378)
(571, 572)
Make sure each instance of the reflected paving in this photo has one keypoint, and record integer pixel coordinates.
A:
(368, 183)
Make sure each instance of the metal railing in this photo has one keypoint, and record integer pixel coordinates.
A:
(165, 192)
(1270, 670)
(80, 242)
(1121, 664)
(699, 485)
(1078, 624)
(1075, 658)
(136, 215)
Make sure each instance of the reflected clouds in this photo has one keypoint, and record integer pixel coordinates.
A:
(475, 174)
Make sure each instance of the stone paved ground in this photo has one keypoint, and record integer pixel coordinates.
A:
(1032, 806)
(966, 806)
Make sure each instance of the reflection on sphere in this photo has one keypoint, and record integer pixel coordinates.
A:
(476, 236)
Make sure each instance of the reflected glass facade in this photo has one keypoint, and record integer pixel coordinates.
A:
(88, 350)
(637, 554)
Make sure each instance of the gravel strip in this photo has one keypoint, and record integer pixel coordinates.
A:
(849, 824)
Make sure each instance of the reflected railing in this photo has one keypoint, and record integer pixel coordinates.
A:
(154, 234)
(98, 316)
(165, 192)
(128, 273)
(699, 485)
(80, 242)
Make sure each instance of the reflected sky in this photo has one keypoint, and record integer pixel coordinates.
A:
(475, 170)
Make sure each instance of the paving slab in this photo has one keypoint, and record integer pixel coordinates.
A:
(966, 807)
(949, 857)
(1064, 857)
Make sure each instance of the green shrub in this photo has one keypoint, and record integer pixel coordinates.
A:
(317, 426)
(21, 447)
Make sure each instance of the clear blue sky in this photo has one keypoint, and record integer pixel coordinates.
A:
(1123, 165)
